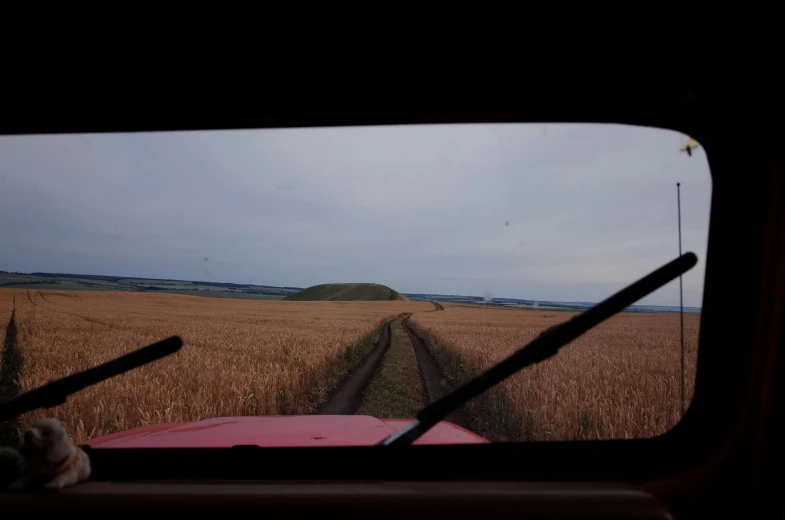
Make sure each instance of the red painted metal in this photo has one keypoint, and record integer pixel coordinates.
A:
(278, 431)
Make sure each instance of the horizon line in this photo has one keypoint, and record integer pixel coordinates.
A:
(32, 273)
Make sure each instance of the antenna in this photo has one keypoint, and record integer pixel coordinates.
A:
(681, 299)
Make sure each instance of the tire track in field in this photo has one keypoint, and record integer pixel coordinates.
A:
(88, 319)
(395, 391)
(29, 298)
(346, 397)
(354, 392)
(10, 370)
(435, 385)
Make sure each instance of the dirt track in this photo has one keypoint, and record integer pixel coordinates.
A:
(345, 398)
(435, 385)
(348, 396)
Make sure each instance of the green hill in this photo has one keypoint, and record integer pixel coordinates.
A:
(346, 292)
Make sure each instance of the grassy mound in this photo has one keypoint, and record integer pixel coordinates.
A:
(346, 292)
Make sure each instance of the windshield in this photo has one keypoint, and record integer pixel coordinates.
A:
(328, 283)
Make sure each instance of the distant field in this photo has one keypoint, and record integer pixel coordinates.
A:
(619, 380)
(239, 358)
(81, 282)
(347, 292)
(236, 295)
(60, 286)
(518, 304)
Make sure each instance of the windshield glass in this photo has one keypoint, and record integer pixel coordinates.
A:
(328, 283)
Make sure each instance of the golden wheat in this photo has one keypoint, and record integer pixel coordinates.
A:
(619, 380)
(239, 357)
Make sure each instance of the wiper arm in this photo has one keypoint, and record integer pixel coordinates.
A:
(539, 349)
(55, 392)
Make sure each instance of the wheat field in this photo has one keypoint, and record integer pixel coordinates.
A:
(239, 357)
(244, 357)
(618, 381)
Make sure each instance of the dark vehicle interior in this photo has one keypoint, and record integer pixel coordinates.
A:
(408, 67)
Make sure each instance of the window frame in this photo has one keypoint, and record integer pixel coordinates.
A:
(720, 377)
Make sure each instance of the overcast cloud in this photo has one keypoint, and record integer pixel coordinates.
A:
(556, 212)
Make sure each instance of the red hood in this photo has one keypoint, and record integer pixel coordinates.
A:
(278, 431)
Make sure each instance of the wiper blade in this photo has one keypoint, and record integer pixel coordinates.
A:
(55, 392)
(539, 349)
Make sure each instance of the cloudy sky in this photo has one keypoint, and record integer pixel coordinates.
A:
(556, 212)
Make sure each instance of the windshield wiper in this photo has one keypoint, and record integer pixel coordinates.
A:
(539, 349)
(55, 392)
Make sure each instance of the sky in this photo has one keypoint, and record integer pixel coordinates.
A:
(531, 211)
